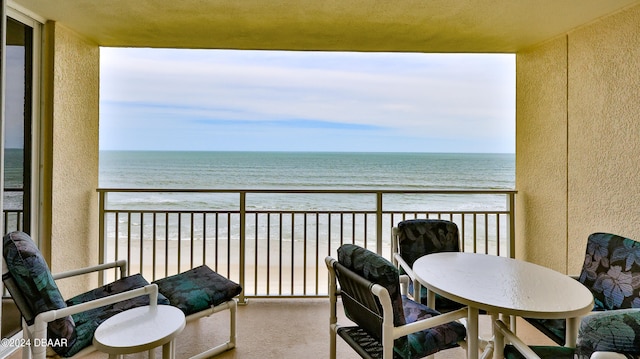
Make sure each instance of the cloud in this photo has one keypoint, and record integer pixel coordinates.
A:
(470, 98)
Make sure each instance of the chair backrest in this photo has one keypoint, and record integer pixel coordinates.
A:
(28, 279)
(18, 298)
(357, 270)
(419, 237)
(360, 305)
(611, 271)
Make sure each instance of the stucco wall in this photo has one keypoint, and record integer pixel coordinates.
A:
(604, 131)
(541, 154)
(73, 135)
(598, 111)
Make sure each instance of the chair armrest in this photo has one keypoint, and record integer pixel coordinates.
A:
(423, 324)
(394, 245)
(51, 315)
(122, 264)
(411, 275)
(404, 265)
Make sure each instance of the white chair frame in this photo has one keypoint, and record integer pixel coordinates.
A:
(399, 262)
(37, 332)
(389, 331)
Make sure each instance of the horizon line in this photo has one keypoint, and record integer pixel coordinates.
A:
(299, 151)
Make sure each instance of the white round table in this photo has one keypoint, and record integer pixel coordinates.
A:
(140, 329)
(504, 286)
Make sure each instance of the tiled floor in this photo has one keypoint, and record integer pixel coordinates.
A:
(282, 329)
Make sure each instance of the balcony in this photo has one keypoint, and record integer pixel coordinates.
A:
(576, 151)
(278, 254)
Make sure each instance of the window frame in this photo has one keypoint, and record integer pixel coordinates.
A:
(30, 19)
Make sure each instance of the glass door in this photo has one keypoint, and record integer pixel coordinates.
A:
(18, 125)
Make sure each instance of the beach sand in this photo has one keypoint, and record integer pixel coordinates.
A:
(273, 268)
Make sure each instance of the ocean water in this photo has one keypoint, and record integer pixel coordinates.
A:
(13, 178)
(292, 170)
(305, 170)
(151, 169)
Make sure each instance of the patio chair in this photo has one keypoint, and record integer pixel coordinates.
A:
(602, 335)
(611, 271)
(387, 323)
(54, 326)
(414, 238)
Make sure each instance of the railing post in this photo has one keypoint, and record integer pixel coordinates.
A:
(243, 237)
(102, 200)
(378, 222)
(511, 207)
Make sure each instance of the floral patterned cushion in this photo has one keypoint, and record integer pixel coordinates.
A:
(429, 341)
(197, 289)
(606, 331)
(376, 269)
(88, 321)
(419, 237)
(30, 280)
(611, 271)
(610, 331)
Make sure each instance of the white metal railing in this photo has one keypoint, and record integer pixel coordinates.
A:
(277, 252)
(12, 220)
(13, 213)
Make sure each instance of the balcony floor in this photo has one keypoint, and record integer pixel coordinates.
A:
(286, 328)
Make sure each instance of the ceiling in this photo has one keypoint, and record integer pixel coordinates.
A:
(480, 26)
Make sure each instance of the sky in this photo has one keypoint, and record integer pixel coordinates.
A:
(231, 100)
(14, 124)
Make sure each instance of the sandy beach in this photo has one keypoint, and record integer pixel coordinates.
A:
(271, 268)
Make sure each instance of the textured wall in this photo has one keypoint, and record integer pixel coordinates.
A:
(541, 154)
(604, 130)
(74, 167)
(598, 161)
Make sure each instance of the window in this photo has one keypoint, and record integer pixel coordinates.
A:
(21, 98)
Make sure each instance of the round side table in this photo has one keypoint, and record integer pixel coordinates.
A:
(140, 329)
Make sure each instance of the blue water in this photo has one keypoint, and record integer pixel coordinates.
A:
(13, 178)
(305, 170)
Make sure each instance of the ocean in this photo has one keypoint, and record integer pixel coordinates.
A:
(293, 170)
(286, 233)
(304, 170)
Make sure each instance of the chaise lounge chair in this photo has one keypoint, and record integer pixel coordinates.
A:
(67, 327)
